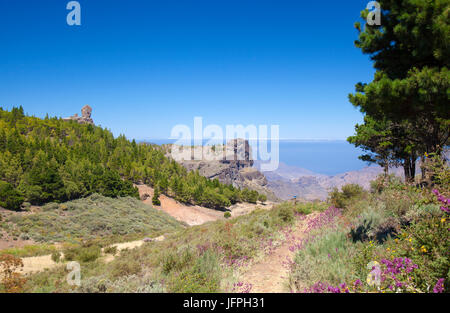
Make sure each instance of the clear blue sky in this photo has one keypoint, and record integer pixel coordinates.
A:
(145, 66)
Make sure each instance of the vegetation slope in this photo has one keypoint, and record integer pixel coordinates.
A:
(52, 160)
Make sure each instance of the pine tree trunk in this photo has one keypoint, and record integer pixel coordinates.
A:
(386, 170)
(409, 168)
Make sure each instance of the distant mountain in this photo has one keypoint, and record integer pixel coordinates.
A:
(306, 187)
(289, 181)
(285, 171)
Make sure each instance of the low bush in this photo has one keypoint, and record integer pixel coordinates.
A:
(250, 196)
(91, 218)
(30, 250)
(125, 284)
(327, 258)
(56, 256)
(10, 280)
(342, 199)
(202, 276)
(262, 198)
(365, 226)
(110, 250)
(427, 243)
(125, 267)
(81, 253)
(286, 214)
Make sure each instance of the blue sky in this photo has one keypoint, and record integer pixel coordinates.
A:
(145, 66)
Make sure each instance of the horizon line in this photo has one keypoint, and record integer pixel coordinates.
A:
(252, 139)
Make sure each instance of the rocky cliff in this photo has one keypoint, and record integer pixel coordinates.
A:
(230, 164)
(85, 117)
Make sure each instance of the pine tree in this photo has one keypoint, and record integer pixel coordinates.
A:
(156, 194)
(410, 88)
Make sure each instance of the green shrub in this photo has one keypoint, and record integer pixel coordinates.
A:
(306, 208)
(89, 254)
(201, 277)
(326, 259)
(126, 284)
(81, 253)
(56, 256)
(286, 214)
(124, 267)
(177, 261)
(372, 224)
(227, 214)
(262, 198)
(341, 199)
(30, 250)
(110, 250)
(169, 263)
(427, 243)
(250, 196)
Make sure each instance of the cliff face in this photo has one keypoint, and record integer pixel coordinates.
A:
(230, 164)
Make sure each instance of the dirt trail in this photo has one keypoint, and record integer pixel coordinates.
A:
(128, 245)
(190, 214)
(40, 263)
(37, 263)
(270, 274)
(194, 214)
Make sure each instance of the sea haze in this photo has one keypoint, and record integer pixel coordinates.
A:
(321, 157)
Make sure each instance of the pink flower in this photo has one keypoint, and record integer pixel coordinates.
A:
(439, 287)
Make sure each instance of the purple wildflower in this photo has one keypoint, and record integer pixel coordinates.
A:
(439, 287)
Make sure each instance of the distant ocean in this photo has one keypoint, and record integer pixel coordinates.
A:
(322, 157)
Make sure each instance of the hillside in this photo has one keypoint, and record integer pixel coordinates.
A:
(93, 218)
(302, 247)
(56, 160)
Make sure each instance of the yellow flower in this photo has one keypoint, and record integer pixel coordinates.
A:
(443, 220)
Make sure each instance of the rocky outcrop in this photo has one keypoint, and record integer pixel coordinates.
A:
(85, 117)
(230, 164)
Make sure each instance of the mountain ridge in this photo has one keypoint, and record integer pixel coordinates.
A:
(291, 181)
